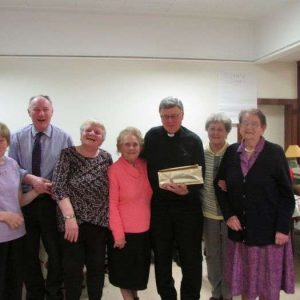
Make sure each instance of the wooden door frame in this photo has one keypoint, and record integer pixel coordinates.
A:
(291, 114)
(290, 118)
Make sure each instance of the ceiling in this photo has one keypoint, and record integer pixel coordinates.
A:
(234, 9)
(241, 9)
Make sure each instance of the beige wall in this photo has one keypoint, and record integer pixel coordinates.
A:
(124, 92)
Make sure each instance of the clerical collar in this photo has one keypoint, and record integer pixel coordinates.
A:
(172, 134)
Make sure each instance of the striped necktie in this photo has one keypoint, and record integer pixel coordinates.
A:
(36, 155)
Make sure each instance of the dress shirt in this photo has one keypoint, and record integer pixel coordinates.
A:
(52, 142)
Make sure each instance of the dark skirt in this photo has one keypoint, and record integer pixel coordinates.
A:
(128, 268)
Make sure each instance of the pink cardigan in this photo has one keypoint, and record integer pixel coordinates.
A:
(129, 198)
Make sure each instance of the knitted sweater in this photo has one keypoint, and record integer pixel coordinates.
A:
(210, 204)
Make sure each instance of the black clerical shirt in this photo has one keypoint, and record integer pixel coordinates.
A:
(166, 151)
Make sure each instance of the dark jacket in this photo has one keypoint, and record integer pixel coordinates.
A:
(263, 200)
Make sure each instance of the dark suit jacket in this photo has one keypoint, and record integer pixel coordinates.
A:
(263, 200)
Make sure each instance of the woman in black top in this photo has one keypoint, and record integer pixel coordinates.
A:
(80, 187)
(257, 207)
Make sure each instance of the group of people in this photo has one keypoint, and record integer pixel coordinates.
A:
(81, 205)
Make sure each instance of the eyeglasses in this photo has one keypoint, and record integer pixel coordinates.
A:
(250, 124)
(171, 117)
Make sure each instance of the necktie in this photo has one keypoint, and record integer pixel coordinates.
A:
(36, 155)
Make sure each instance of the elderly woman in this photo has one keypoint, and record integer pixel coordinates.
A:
(129, 216)
(257, 206)
(12, 228)
(214, 228)
(80, 187)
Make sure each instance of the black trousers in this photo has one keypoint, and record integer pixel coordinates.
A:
(88, 251)
(11, 269)
(183, 225)
(40, 222)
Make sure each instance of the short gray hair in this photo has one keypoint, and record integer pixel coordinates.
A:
(94, 123)
(170, 102)
(219, 117)
(39, 96)
(255, 112)
(132, 131)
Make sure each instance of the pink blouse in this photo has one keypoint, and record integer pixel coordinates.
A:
(129, 198)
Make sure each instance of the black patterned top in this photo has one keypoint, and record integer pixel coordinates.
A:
(84, 180)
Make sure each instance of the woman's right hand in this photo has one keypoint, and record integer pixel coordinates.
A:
(13, 220)
(41, 185)
(120, 244)
(71, 230)
(234, 223)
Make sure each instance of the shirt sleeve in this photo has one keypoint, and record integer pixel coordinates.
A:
(286, 204)
(221, 195)
(70, 142)
(13, 148)
(198, 156)
(115, 220)
(60, 177)
(201, 157)
(14, 151)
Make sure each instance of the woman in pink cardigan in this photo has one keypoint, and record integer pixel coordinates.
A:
(129, 216)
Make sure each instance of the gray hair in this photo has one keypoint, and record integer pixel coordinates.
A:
(39, 96)
(93, 123)
(219, 117)
(255, 112)
(130, 131)
(170, 102)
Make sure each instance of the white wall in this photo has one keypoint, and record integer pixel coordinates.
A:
(275, 123)
(122, 92)
(278, 32)
(50, 32)
(81, 33)
(277, 80)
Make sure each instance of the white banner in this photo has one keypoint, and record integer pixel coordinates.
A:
(237, 91)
